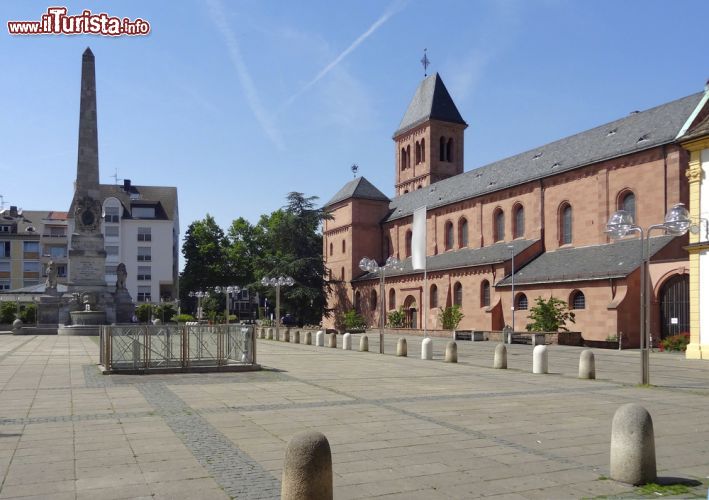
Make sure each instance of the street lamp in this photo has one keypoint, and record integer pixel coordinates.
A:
(278, 283)
(620, 224)
(512, 250)
(200, 295)
(371, 266)
(228, 290)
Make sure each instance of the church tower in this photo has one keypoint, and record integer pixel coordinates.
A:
(429, 140)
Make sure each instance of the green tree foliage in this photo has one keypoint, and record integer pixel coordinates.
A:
(354, 322)
(396, 318)
(550, 316)
(450, 317)
(7, 312)
(28, 314)
(165, 312)
(143, 312)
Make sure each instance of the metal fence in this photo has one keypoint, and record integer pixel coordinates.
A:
(141, 348)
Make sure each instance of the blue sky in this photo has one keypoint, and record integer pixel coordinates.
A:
(239, 102)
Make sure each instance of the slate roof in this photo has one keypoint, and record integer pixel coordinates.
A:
(467, 257)
(431, 102)
(358, 188)
(164, 196)
(636, 132)
(35, 289)
(613, 260)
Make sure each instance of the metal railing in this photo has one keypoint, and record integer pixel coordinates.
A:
(141, 348)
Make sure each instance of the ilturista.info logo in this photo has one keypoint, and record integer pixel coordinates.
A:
(57, 21)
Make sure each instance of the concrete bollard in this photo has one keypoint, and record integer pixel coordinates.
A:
(500, 361)
(587, 364)
(401, 348)
(347, 342)
(320, 339)
(17, 327)
(308, 338)
(269, 334)
(633, 446)
(262, 333)
(427, 348)
(307, 468)
(296, 337)
(332, 340)
(540, 359)
(286, 335)
(364, 344)
(451, 352)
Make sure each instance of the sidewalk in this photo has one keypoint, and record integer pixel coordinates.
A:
(398, 427)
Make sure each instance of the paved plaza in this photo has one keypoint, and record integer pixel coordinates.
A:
(398, 427)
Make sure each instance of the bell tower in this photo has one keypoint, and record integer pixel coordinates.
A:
(429, 140)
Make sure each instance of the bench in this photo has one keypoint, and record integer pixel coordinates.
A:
(472, 335)
(527, 338)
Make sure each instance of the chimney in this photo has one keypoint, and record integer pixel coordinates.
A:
(13, 211)
(126, 185)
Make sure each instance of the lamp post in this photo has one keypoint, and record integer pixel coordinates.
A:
(277, 283)
(620, 224)
(228, 290)
(512, 250)
(371, 266)
(200, 295)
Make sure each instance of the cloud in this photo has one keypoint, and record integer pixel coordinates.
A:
(393, 8)
(247, 83)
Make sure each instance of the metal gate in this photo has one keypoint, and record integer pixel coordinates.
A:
(674, 306)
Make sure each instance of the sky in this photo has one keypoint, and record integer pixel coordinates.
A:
(238, 103)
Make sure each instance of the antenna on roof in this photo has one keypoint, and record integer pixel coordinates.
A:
(115, 177)
(2, 203)
(425, 62)
(354, 169)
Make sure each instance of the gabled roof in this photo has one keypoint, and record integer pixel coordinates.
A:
(636, 132)
(431, 102)
(612, 260)
(164, 196)
(358, 188)
(467, 257)
(699, 130)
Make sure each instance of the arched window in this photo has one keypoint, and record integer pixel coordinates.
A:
(519, 222)
(406, 191)
(342, 274)
(463, 232)
(402, 159)
(442, 149)
(423, 150)
(331, 248)
(499, 225)
(419, 186)
(627, 203)
(485, 293)
(433, 297)
(392, 299)
(577, 300)
(449, 150)
(565, 224)
(418, 152)
(522, 302)
(408, 243)
(373, 301)
(343, 246)
(358, 302)
(449, 235)
(408, 156)
(458, 294)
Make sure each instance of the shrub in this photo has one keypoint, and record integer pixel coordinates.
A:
(675, 342)
(164, 312)
(353, 321)
(182, 318)
(143, 312)
(397, 318)
(28, 314)
(450, 317)
(549, 316)
(7, 312)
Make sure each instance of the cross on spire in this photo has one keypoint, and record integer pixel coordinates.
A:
(426, 63)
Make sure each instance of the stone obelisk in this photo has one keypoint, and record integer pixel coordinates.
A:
(87, 256)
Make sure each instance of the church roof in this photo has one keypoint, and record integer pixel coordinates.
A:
(358, 188)
(699, 130)
(431, 102)
(637, 132)
(613, 260)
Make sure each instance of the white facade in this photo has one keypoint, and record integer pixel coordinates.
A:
(704, 255)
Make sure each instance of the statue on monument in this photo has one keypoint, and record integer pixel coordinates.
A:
(51, 282)
(122, 274)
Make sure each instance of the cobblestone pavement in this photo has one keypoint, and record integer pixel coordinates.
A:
(398, 427)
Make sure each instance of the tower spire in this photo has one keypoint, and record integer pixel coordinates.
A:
(87, 180)
(425, 63)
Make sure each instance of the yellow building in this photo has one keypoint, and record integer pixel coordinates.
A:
(695, 139)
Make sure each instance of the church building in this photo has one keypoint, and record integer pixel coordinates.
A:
(543, 212)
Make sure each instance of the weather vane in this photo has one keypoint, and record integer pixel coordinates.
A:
(354, 169)
(426, 63)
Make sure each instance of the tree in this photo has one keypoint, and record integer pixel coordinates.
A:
(550, 316)
(450, 317)
(8, 311)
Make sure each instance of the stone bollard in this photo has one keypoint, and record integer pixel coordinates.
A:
(269, 335)
(296, 337)
(587, 364)
(633, 446)
(320, 338)
(286, 335)
(540, 359)
(307, 468)
(500, 360)
(347, 342)
(332, 340)
(451, 352)
(427, 348)
(308, 338)
(401, 348)
(17, 327)
(364, 344)
(262, 333)
(157, 321)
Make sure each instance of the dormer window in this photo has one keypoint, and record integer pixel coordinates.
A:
(143, 212)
